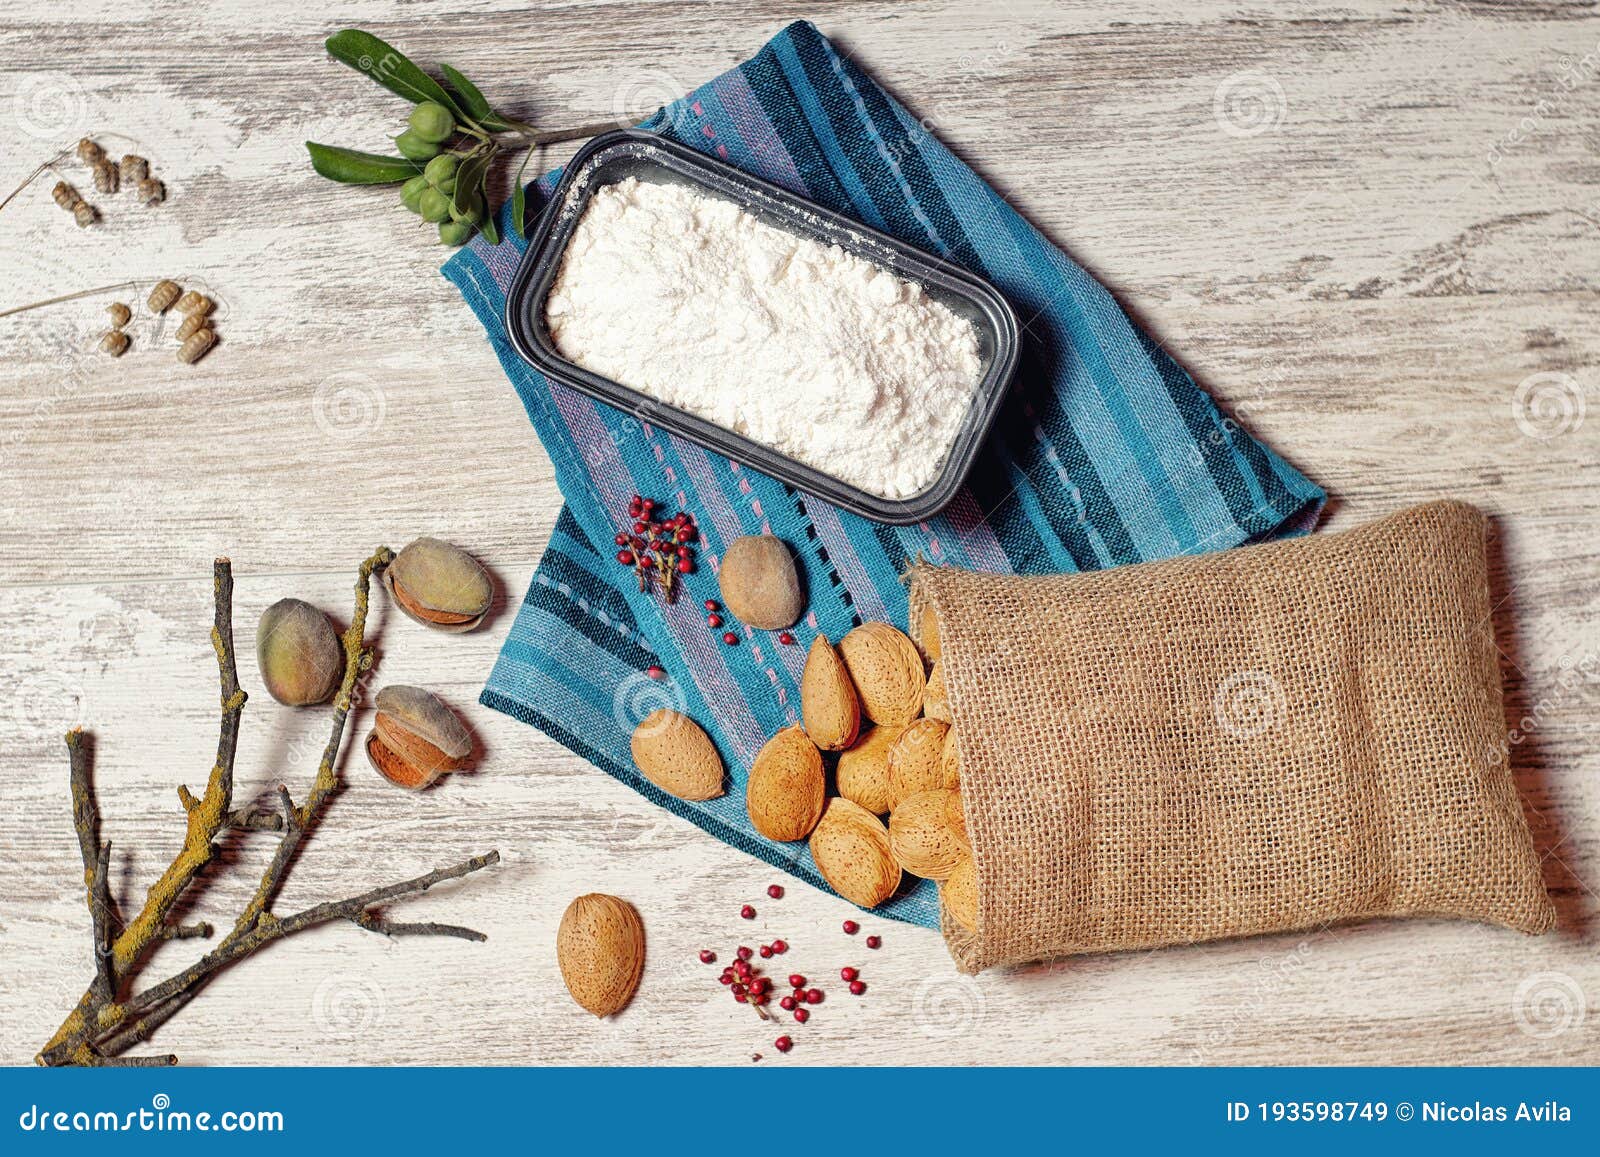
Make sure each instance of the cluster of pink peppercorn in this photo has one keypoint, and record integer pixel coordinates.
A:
(747, 985)
(659, 546)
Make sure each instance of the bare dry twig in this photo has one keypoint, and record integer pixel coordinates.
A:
(106, 1023)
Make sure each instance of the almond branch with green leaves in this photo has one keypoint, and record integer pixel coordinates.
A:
(448, 149)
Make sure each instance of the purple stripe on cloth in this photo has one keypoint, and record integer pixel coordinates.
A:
(760, 138)
(844, 558)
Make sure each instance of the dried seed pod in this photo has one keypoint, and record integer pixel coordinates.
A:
(105, 176)
(439, 585)
(134, 169)
(192, 325)
(89, 152)
(66, 196)
(151, 192)
(195, 347)
(121, 315)
(299, 653)
(163, 295)
(195, 303)
(115, 343)
(83, 213)
(416, 738)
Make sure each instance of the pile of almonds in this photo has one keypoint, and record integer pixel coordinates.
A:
(874, 702)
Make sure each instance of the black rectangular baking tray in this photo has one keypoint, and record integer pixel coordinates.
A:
(615, 156)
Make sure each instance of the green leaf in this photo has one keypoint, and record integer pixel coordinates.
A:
(519, 211)
(471, 176)
(389, 67)
(471, 98)
(352, 167)
(491, 232)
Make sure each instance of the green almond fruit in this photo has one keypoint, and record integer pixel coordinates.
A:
(414, 148)
(411, 193)
(438, 584)
(433, 205)
(299, 653)
(441, 168)
(432, 122)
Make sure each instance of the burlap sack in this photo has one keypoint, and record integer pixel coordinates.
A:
(1264, 739)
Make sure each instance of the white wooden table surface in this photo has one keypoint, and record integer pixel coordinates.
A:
(1372, 229)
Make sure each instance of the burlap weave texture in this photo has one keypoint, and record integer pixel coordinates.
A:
(1260, 740)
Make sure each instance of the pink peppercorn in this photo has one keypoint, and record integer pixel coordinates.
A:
(783, 1044)
(788, 1003)
(814, 996)
(780, 947)
(848, 974)
(775, 891)
(796, 980)
(851, 927)
(857, 987)
(802, 1015)
(766, 952)
(707, 956)
(748, 912)
(874, 941)
(729, 638)
(744, 953)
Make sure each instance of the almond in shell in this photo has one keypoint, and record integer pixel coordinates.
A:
(886, 668)
(924, 840)
(950, 761)
(930, 634)
(673, 752)
(960, 894)
(828, 702)
(786, 789)
(600, 948)
(934, 703)
(851, 850)
(863, 771)
(915, 760)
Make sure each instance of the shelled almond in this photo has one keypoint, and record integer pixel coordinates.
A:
(787, 787)
(828, 701)
(863, 770)
(852, 850)
(916, 760)
(673, 752)
(887, 671)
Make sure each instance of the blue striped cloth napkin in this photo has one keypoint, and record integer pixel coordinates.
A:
(1107, 453)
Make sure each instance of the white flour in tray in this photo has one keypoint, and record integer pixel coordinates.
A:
(812, 351)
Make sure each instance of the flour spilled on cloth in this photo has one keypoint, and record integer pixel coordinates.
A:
(803, 347)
